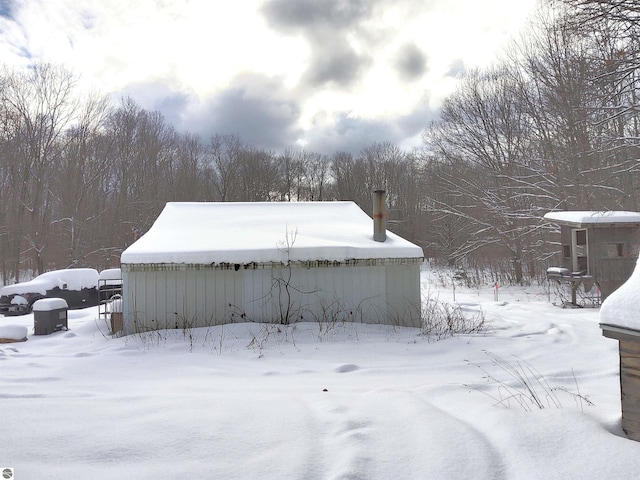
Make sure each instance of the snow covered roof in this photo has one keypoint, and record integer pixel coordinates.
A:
(49, 304)
(110, 274)
(205, 233)
(587, 218)
(110, 277)
(622, 307)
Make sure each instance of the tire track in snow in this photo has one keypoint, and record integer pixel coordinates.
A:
(395, 434)
(345, 441)
(470, 452)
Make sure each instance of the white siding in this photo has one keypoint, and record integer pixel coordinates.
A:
(403, 294)
(170, 296)
(256, 296)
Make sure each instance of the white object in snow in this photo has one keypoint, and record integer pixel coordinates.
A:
(13, 333)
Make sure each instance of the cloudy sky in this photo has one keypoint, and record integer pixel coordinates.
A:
(328, 75)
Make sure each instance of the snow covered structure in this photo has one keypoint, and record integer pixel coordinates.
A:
(77, 286)
(620, 320)
(598, 248)
(204, 264)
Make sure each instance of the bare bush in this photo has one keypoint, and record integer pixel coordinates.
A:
(525, 386)
(442, 320)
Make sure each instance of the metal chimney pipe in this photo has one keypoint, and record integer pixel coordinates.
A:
(379, 216)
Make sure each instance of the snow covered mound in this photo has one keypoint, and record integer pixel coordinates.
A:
(13, 333)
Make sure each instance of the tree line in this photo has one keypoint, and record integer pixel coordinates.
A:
(82, 178)
(552, 125)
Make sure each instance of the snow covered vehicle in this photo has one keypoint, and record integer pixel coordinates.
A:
(78, 286)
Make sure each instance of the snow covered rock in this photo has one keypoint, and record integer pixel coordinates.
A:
(13, 333)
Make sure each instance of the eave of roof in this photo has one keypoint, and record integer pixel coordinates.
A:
(598, 219)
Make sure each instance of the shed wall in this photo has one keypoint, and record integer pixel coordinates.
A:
(178, 296)
(608, 271)
(611, 271)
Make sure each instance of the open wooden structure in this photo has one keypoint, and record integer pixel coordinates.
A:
(599, 250)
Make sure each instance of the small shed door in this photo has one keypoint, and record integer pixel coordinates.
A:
(579, 249)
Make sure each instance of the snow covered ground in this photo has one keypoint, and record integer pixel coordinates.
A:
(346, 401)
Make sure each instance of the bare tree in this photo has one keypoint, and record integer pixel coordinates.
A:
(38, 105)
(77, 185)
(304, 175)
(258, 175)
(609, 33)
(187, 164)
(223, 160)
(484, 137)
(140, 150)
(587, 13)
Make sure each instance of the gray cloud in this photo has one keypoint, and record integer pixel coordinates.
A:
(173, 107)
(264, 115)
(263, 123)
(296, 15)
(325, 26)
(14, 43)
(339, 65)
(411, 62)
(256, 108)
(157, 96)
(353, 134)
(7, 8)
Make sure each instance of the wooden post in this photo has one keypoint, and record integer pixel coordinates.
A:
(629, 348)
(116, 322)
(630, 387)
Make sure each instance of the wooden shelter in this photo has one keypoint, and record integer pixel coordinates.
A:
(599, 249)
